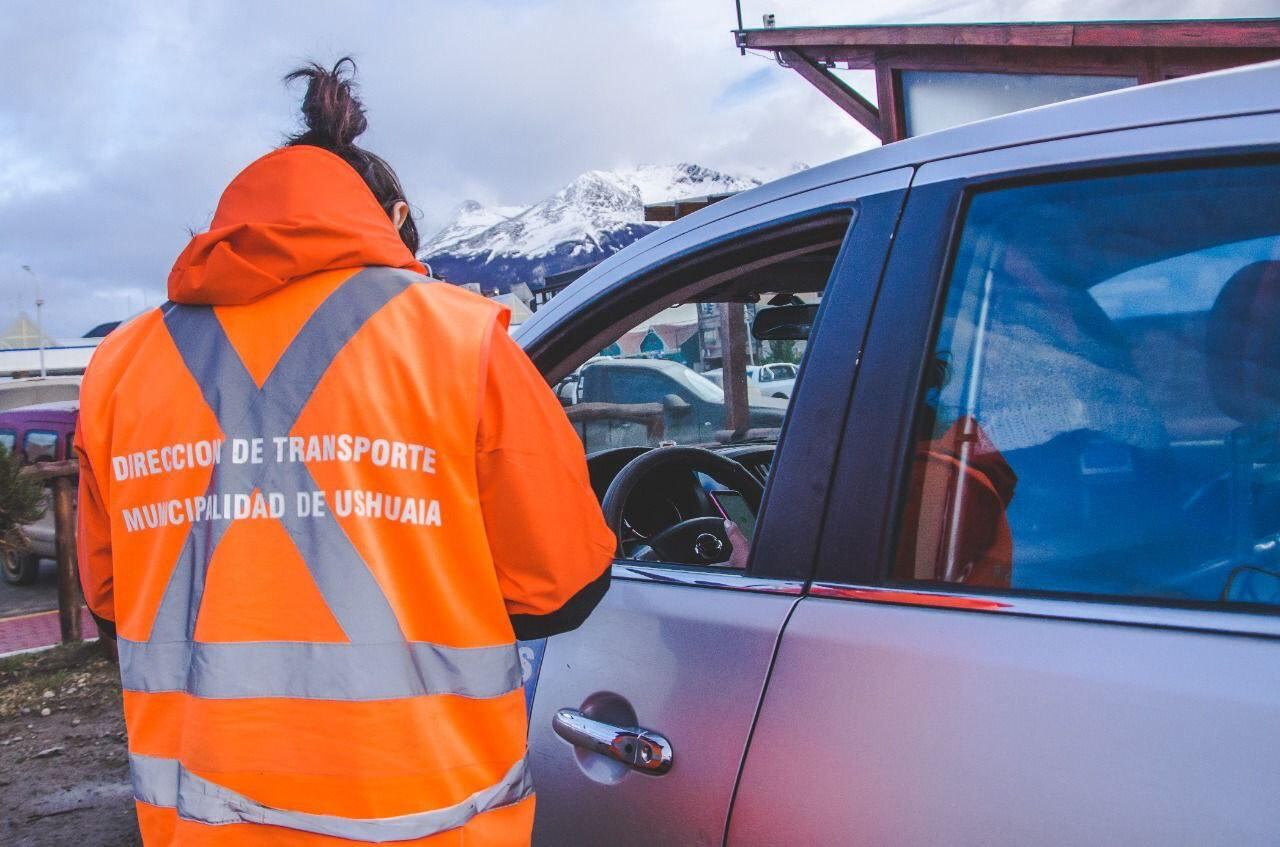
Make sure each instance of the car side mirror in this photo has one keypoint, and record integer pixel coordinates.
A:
(784, 323)
(567, 389)
(674, 404)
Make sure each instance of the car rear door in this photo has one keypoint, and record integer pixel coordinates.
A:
(684, 652)
(1045, 608)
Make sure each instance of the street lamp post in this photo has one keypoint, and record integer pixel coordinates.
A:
(39, 318)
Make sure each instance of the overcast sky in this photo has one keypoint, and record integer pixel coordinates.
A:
(121, 122)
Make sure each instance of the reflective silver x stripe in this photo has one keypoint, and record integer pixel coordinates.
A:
(319, 670)
(165, 782)
(245, 411)
(377, 662)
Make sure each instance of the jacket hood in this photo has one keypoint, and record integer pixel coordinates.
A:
(294, 212)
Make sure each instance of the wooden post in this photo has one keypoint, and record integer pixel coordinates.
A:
(69, 596)
(61, 478)
(733, 367)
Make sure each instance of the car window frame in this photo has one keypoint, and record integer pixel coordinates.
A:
(862, 516)
(787, 535)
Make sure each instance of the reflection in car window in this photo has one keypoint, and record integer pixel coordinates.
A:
(40, 446)
(7, 439)
(1102, 407)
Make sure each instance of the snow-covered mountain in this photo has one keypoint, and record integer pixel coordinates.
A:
(468, 220)
(597, 214)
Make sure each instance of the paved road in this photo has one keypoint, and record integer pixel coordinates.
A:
(25, 599)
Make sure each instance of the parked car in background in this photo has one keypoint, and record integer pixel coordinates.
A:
(1014, 571)
(40, 433)
(773, 380)
(618, 402)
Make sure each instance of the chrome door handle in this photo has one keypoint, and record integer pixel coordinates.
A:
(637, 748)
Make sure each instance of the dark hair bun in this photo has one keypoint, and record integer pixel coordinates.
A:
(333, 114)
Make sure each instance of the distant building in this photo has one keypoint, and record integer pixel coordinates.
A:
(519, 311)
(676, 341)
(23, 334)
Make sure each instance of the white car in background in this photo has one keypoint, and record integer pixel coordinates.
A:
(775, 380)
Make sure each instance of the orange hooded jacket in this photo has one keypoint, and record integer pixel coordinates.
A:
(316, 492)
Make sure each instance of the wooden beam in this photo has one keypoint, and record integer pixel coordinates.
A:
(651, 415)
(836, 89)
(51, 470)
(70, 600)
(1084, 60)
(1025, 35)
(1255, 33)
(893, 121)
(733, 368)
(1229, 34)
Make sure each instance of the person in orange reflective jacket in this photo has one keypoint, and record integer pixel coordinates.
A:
(320, 498)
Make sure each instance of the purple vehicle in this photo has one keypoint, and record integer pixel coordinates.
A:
(39, 433)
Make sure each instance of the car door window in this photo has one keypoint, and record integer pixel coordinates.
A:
(39, 445)
(1101, 412)
(648, 388)
(684, 376)
(7, 439)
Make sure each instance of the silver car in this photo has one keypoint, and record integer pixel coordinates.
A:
(1009, 572)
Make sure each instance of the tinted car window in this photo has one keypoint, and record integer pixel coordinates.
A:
(1101, 413)
(40, 446)
(7, 439)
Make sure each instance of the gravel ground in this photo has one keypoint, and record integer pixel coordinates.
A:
(64, 771)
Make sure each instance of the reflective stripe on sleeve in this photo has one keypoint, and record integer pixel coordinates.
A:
(166, 783)
(317, 670)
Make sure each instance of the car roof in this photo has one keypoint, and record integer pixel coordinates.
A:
(661, 364)
(59, 411)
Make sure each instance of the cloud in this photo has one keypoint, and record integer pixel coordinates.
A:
(122, 123)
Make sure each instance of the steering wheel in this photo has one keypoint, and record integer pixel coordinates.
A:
(696, 541)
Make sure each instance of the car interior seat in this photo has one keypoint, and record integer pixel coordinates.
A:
(1243, 359)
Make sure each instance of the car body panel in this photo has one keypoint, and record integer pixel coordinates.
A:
(895, 717)
(670, 652)
(896, 725)
(991, 718)
(688, 650)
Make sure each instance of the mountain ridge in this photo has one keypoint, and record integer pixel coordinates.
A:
(593, 216)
